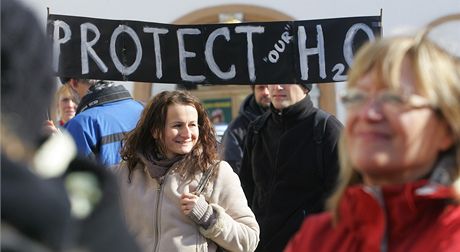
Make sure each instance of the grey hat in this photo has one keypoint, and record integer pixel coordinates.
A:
(307, 86)
(26, 73)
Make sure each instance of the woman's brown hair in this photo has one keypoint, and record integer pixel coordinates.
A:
(140, 141)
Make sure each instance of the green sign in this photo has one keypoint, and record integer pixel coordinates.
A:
(219, 110)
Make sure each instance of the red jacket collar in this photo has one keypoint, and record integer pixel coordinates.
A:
(400, 205)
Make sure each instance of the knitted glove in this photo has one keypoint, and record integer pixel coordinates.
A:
(202, 213)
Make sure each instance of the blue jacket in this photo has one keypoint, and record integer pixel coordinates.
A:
(98, 131)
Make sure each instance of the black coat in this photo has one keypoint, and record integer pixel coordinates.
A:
(233, 139)
(37, 209)
(280, 173)
(40, 211)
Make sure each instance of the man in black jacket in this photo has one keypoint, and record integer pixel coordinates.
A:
(253, 106)
(289, 166)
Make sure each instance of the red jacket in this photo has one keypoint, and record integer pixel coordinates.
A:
(415, 217)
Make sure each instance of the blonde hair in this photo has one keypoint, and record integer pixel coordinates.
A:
(63, 91)
(437, 76)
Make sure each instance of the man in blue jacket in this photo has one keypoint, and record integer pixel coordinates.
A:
(105, 114)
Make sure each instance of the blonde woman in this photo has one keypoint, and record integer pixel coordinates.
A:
(399, 154)
(66, 104)
(164, 160)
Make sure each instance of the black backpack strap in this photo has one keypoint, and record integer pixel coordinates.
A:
(319, 131)
(257, 125)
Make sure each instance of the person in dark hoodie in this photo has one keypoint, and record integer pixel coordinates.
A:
(35, 214)
(253, 106)
(290, 163)
(50, 199)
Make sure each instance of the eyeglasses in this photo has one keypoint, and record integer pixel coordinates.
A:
(390, 101)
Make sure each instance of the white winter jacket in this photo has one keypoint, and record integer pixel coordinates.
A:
(153, 214)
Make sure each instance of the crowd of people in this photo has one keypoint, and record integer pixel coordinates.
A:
(288, 176)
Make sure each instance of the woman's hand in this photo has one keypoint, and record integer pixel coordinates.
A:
(187, 202)
(49, 128)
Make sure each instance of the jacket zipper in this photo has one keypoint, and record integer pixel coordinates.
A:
(378, 196)
(275, 165)
(158, 212)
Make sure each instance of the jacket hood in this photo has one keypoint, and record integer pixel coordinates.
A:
(26, 74)
(250, 109)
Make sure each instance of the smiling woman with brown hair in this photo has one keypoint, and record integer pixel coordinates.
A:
(166, 157)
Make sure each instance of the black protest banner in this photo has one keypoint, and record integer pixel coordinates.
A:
(311, 51)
